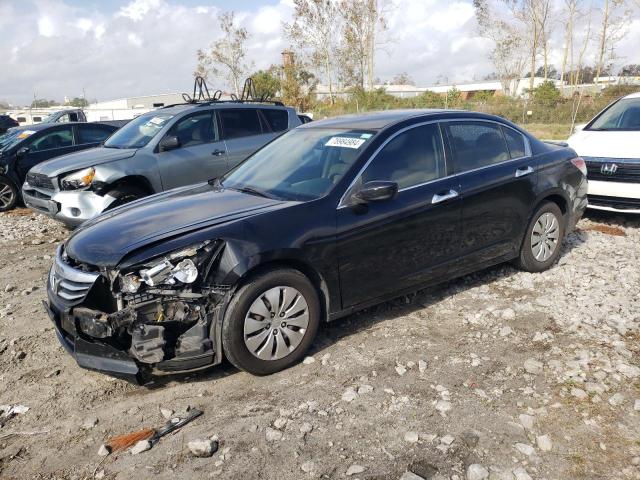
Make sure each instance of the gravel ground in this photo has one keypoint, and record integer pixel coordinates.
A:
(500, 375)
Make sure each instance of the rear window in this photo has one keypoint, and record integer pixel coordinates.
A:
(278, 119)
(241, 122)
(515, 142)
(477, 144)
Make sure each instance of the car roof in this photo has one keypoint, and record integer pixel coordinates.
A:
(376, 120)
(36, 127)
(633, 95)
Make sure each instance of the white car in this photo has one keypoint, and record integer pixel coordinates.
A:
(610, 146)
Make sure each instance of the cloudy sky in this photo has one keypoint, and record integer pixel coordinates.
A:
(119, 48)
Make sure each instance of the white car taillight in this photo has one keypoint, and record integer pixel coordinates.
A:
(580, 165)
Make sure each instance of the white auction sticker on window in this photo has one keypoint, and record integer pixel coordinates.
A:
(346, 142)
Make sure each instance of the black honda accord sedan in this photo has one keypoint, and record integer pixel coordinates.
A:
(327, 219)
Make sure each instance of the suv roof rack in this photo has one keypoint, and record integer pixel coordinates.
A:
(201, 96)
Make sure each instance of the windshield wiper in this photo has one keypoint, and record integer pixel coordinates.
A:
(215, 182)
(251, 191)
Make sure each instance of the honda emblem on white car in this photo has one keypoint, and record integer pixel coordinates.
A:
(609, 169)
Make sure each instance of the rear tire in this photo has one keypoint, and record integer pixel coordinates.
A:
(265, 344)
(8, 194)
(543, 239)
(125, 194)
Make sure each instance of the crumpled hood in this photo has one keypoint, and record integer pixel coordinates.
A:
(589, 143)
(107, 239)
(82, 159)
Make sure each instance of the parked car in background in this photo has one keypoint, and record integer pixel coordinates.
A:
(610, 145)
(6, 122)
(65, 116)
(330, 218)
(164, 149)
(22, 148)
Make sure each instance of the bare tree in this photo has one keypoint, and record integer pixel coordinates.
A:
(314, 31)
(363, 22)
(615, 19)
(226, 55)
(570, 13)
(510, 50)
(577, 77)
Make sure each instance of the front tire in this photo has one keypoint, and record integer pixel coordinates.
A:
(271, 322)
(8, 194)
(543, 240)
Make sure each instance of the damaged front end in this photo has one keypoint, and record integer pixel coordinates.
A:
(156, 316)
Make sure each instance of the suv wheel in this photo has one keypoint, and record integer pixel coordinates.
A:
(543, 240)
(125, 194)
(271, 322)
(8, 194)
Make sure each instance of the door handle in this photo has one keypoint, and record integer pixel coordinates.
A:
(437, 198)
(521, 172)
(217, 153)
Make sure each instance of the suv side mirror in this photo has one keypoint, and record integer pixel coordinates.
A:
(376, 191)
(22, 152)
(170, 142)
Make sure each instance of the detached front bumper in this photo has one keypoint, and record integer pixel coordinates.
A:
(89, 354)
(71, 208)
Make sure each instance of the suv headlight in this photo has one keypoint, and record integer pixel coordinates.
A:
(79, 180)
(177, 267)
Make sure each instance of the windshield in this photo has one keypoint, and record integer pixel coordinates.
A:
(139, 131)
(13, 137)
(303, 164)
(622, 115)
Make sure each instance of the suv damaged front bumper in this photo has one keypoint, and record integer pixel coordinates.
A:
(161, 330)
(69, 207)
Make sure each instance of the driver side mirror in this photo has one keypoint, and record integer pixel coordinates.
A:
(170, 142)
(22, 152)
(376, 191)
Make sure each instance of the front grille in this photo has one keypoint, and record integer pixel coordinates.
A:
(619, 203)
(39, 180)
(626, 169)
(38, 194)
(68, 283)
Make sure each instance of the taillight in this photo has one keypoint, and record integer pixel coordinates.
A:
(580, 165)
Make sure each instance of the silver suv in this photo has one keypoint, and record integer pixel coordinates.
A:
(171, 147)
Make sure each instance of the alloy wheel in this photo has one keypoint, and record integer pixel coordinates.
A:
(545, 237)
(276, 323)
(7, 196)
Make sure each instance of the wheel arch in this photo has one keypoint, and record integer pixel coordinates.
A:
(294, 263)
(138, 181)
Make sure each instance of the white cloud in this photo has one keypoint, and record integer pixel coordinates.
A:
(46, 27)
(57, 48)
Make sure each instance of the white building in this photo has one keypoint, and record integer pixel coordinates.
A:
(467, 89)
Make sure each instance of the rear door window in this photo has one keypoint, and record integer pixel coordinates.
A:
(240, 122)
(515, 142)
(59, 138)
(477, 144)
(278, 119)
(92, 134)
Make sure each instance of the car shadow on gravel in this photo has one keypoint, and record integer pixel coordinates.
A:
(368, 318)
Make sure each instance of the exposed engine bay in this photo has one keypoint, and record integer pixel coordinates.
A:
(162, 311)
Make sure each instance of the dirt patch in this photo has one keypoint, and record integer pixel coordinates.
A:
(472, 372)
(606, 229)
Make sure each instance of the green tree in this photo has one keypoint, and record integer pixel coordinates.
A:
(454, 98)
(546, 94)
(43, 103)
(267, 82)
(78, 102)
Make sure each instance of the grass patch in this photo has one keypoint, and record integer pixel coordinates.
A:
(548, 131)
